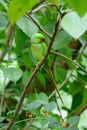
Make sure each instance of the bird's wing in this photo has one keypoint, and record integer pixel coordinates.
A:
(44, 48)
(36, 50)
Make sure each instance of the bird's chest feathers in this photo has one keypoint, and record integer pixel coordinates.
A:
(38, 51)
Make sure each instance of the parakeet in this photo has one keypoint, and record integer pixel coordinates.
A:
(38, 49)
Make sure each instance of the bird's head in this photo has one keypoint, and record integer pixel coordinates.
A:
(37, 38)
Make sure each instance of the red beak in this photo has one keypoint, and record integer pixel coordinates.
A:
(42, 39)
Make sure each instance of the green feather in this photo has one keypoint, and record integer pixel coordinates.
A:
(38, 47)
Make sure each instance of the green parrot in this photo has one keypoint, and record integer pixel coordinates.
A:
(38, 49)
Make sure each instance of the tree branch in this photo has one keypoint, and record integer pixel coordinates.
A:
(67, 78)
(59, 109)
(38, 25)
(36, 6)
(38, 66)
(45, 5)
(81, 81)
(7, 41)
(67, 58)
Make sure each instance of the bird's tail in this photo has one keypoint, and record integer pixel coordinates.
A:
(50, 74)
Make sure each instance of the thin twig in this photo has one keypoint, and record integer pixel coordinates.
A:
(67, 78)
(65, 57)
(29, 124)
(25, 120)
(81, 110)
(77, 109)
(79, 80)
(7, 40)
(51, 76)
(2, 95)
(38, 25)
(53, 63)
(45, 5)
(58, 108)
(38, 66)
(36, 6)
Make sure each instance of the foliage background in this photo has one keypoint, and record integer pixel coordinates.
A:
(19, 20)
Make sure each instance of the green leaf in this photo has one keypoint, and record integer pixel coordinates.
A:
(74, 25)
(62, 39)
(25, 101)
(3, 21)
(84, 61)
(75, 87)
(52, 122)
(27, 57)
(50, 26)
(34, 105)
(42, 96)
(65, 129)
(4, 4)
(41, 78)
(10, 114)
(20, 40)
(41, 124)
(2, 119)
(28, 27)
(83, 120)
(50, 106)
(74, 128)
(42, 99)
(83, 39)
(67, 98)
(60, 73)
(79, 5)
(53, 1)
(25, 77)
(73, 120)
(13, 74)
(17, 8)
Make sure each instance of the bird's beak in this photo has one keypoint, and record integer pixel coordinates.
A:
(42, 39)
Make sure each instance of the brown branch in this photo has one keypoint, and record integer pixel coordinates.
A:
(81, 81)
(67, 58)
(67, 78)
(7, 41)
(38, 25)
(45, 5)
(58, 108)
(81, 110)
(36, 6)
(78, 110)
(2, 96)
(39, 64)
(53, 63)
